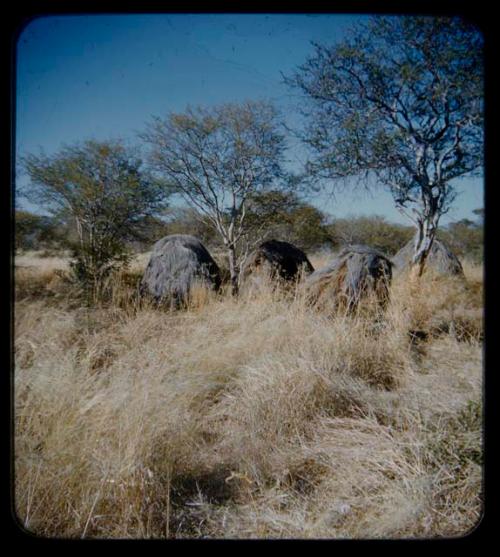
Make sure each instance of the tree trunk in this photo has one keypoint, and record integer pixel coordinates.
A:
(424, 239)
(233, 269)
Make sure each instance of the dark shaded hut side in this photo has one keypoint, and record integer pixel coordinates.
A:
(354, 273)
(440, 259)
(179, 262)
(277, 260)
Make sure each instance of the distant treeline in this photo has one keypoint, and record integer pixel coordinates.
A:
(280, 216)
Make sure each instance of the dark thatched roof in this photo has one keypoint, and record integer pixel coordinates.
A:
(356, 271)
(277, 259)
(440, 259)
(177, 263)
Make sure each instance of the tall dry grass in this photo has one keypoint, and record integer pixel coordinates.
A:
(249, 418)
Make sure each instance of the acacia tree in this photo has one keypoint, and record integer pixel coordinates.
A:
(102, 188)
(216, 158)
(400, 99)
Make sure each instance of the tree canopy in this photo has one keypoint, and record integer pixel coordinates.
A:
(215, 158)
(399, 100)
(103, 188)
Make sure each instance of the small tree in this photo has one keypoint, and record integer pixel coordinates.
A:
(399, 100)
(216, 158)
(101, 187)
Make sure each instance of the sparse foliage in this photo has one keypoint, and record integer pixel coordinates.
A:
(399, 100)
(215, 158)
(102, 188)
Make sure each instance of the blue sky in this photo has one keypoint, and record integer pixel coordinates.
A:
(81, 77)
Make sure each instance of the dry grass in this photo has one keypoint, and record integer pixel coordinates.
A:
(249, 418)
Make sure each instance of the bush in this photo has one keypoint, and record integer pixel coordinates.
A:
(37, 232)
(373, 231)
(102, 189)
(465, 239)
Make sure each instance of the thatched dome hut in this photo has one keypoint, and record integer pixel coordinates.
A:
(440, 259)
(353, 274)
(276, 260)
(178, 263)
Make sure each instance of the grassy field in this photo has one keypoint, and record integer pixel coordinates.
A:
(250, 418)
